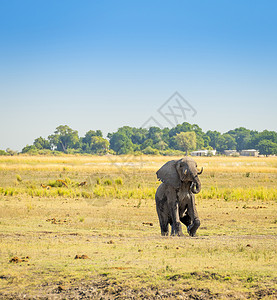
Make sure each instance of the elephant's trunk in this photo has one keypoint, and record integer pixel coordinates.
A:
(196, 186)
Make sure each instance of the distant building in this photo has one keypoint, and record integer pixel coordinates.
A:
(249, 152)
(203, 152)
(231, 152)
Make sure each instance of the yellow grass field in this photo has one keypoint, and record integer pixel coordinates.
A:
(60, 239)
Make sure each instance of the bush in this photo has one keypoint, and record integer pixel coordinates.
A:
(151, 151)
(108, 182)
(74, 151)
(30, 150)
(11, 152)
(2, 152)
(55, 183)
(118, 181)
(45, 152)
(170, 152)
(18, 178)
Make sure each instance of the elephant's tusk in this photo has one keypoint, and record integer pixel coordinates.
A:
(200, 171)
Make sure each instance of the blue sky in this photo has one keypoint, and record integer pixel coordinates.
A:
(106, 64)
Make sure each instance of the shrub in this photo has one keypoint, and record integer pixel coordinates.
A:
(170, 152)
(55, 183)
(11, 152)
(118, 181)
(18, 178)
(45, 152)
(108, 182)
(30, 150)
(86, 195)
(151, 151)
(2, 152)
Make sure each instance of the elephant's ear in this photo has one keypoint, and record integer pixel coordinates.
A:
(169, 175)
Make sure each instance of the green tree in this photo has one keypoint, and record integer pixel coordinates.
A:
(41, 143)
(126, 130)
(200, 137)
(184, 127)
(226, 142)
(3, 152)
(139, 135)
(87, 138)
(207, 141)
(186, 141)
(267, 147)
(121, 143)
(64, 138)
(162, 145)
(11, 152)
(155, 134)
(242, 137)
(165, 135)
(29, 148)
(147, 143)
(99, 145)
(158, 138)
(214, 136)
(264, 135)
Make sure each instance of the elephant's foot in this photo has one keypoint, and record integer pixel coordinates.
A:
(176, 230)
(180, 233)
(164, 233)
(193, 227)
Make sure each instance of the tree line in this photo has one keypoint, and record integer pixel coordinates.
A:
(130, 140)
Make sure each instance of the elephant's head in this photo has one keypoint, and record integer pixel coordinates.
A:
(175, 172)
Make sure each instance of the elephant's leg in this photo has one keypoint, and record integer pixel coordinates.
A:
(173, 228)
(176, 228)
(186, 220)
(193, 214)
(162, 211)
(164, 231)
(193, 227)
(164, 225)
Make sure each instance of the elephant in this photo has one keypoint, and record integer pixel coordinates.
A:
(175, 201)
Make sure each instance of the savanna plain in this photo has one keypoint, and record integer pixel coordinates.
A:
(85, 227)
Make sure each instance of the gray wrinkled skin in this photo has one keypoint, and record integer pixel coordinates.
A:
(175, 201)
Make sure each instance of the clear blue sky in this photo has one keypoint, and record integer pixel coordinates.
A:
(106, 64)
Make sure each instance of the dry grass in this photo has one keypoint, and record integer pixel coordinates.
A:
(110, 221)
(140, 163)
